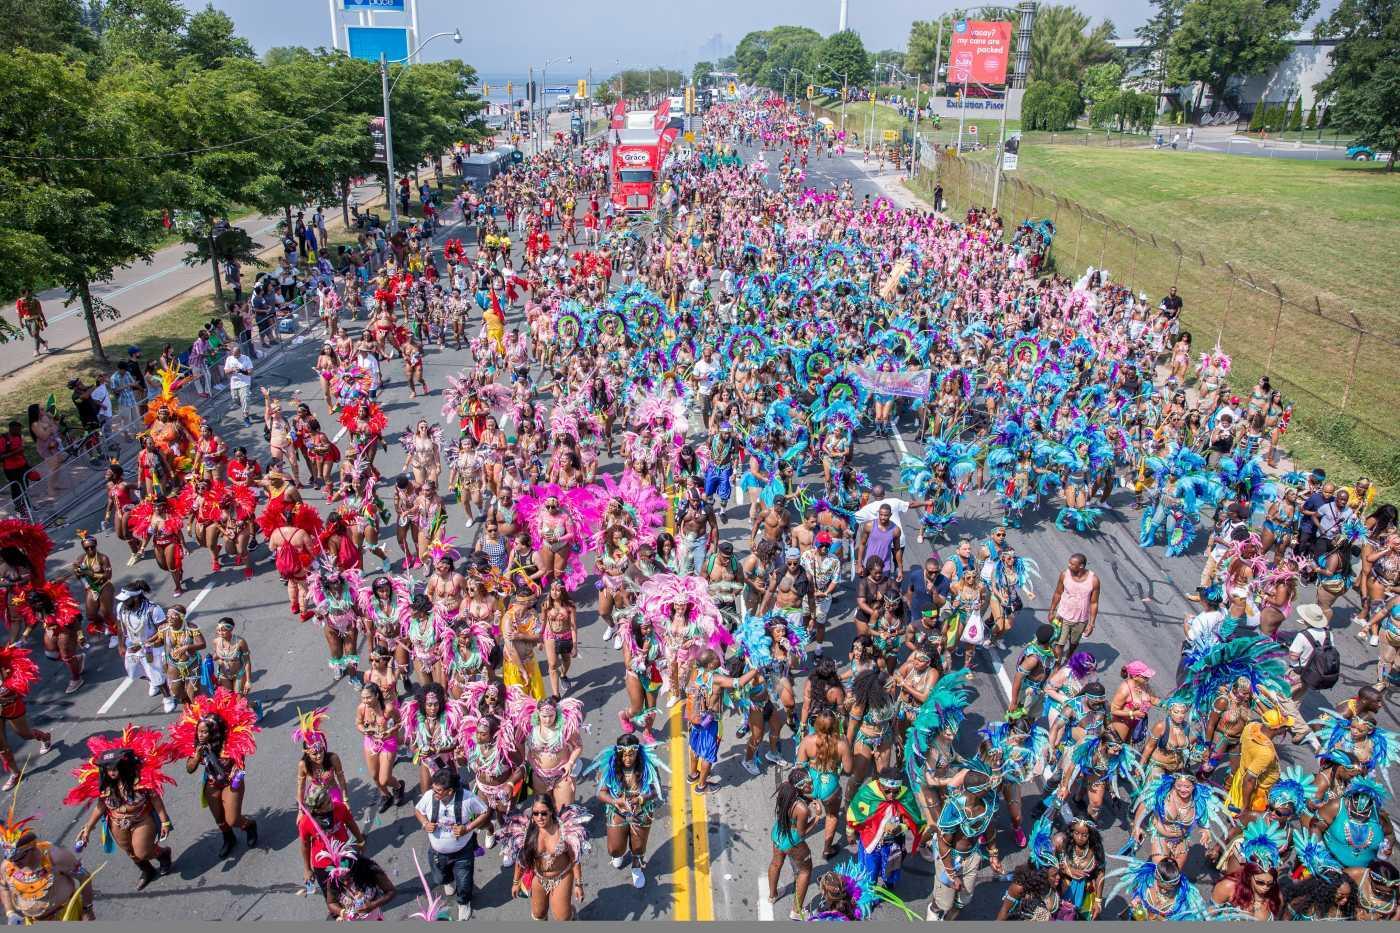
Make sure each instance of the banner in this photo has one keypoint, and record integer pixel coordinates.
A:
(907, 383)
(619, 115)
(384, 6)
(376, 133)
(979, 52)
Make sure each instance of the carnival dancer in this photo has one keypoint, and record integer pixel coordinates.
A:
(124, 778)
(39, 880)
(630, 787)
(552, 745)
(336, 597)
(430, 729)
(547, 845)
(216, 734)
(318, 766)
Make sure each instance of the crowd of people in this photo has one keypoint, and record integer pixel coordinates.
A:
(635, 396)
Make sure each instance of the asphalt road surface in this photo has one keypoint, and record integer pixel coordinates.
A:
(708, 856)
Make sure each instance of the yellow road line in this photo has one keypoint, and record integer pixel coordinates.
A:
(680, 851)
(700, 843)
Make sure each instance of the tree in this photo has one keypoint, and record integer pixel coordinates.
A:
(764, 56)
(82, 217)
(1363, 66)
(148, 30)
(217, 243)
(1102, 82)
(1063, 45)
(1295, 119)
(893, 57)
(1155, 36)
(700, 72)
(57, 26)
(1124, 110)
(1222, 39)
(1049, 106)
(1311, 123)
(604, 94)
(842, 53)
(210, 38)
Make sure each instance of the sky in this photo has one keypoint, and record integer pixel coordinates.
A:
(607, 35)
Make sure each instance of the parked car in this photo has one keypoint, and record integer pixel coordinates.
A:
(1361, 153)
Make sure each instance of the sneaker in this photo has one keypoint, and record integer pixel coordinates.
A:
(752, 767)
(775, 758)
(619, 861)
(617, 643)
(113, 641)
(464, 911)
(639, 878)
(507, 860)
(168, 704)
(74, 685)
(608, 633)
(1361, 635)
(1374, 641)
(45, 746)
(152, 690)
(489, 841)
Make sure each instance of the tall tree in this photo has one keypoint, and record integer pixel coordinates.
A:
(842, 53)
(84, 178)
(701, 69)
(1156, 36)
(790, 49)
(46, 26)
(1219, 40)
(1064, 42)
(148, 30)
(210, 38)
(1365, 72)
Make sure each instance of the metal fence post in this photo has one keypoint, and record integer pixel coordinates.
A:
(1176, 277)
(1273, 338)
(1078, 235)
(1132, 268)
(1351, 373)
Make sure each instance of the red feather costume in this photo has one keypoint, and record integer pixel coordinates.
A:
(18, 674)
(25, 546)
(363, 420)
(151, 749)
(240, 724)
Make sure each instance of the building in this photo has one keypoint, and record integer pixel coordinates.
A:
(1308, 61)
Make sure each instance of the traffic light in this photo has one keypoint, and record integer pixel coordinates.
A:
(582, 87)
(811, 92)
(486, 90)
(530, 91)
(733, 88)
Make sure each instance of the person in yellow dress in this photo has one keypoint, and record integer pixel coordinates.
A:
(1258, 770)
(495, 320)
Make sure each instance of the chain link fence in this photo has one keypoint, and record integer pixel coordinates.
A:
(1337, 372)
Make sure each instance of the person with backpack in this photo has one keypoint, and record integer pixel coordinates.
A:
(1312, 655)
(450, 815)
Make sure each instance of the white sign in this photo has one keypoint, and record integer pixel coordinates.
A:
(1009, 160)
(634, 157)
(954, 107)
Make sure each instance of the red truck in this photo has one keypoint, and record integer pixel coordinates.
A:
(638, 156)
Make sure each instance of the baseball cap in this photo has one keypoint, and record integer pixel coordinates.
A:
(792, 553)
(1138, 669)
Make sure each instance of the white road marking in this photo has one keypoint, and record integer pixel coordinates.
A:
(765, 906)
(338, 434)
(116, 695)
(127, 681)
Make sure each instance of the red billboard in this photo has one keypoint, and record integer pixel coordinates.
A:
(979, 52)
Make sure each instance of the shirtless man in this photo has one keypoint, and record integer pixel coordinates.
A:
(772, 523)
(446, 587)
(37, 880)
(803, 536)
(790, 592)
(699, 533)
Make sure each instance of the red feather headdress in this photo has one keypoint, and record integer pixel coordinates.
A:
(239, 720)
(150, 748)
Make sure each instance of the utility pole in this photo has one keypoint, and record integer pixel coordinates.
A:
(914, 148)
(530, 99)
(390, 189)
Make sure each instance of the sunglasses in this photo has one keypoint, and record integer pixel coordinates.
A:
(539, 813)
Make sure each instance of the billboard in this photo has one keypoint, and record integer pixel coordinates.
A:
(368, 41)
(387, 6)
(377, 134)
(953, 106)
(979, 52)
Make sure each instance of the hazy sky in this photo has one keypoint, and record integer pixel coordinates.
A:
(600, 33)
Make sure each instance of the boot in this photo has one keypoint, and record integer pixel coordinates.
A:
(229, 843)
(148, 874)
(251, 831)
(165, 861)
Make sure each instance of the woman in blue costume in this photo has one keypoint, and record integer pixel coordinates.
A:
(629, 785)
(794, 815)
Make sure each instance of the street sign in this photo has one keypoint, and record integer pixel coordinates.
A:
(811, 92)
(381, 6)
(582, 87)
(890, 136)
(559, 89)
(1008, 161)
(689, 136)
(972, 129)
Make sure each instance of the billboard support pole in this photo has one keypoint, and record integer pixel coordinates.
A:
(413, 18)
(1001, 145)
(335, 27)
(390, 194)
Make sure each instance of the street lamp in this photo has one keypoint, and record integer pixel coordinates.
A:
(544, 83)
(384, 63)
(845, 92)
(914, 148)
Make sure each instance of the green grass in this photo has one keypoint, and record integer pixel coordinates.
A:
(1323, 228)
(1320, 231)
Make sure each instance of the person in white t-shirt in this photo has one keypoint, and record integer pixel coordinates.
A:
(239, 370)
(450, 815)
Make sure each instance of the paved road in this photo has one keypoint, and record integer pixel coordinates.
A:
(708, 857)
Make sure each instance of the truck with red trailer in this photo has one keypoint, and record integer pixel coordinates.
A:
(639, 151)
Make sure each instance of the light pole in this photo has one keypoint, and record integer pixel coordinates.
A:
(391, 194)
(914, 146)
(543, 93)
